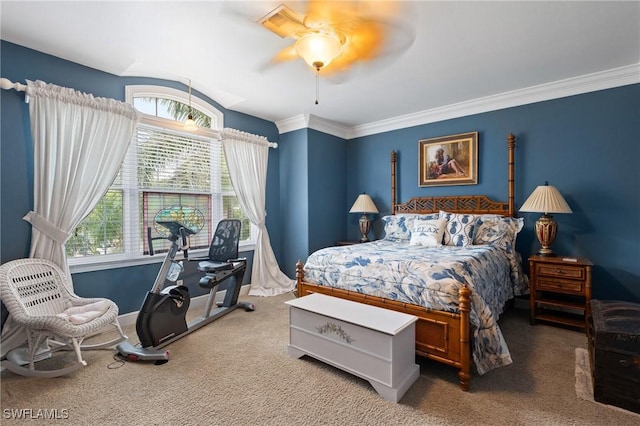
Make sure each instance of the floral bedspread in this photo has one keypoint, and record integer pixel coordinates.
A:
(429, 277)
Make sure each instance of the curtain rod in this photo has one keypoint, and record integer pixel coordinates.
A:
(7, 84)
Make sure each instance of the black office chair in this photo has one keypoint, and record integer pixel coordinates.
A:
(223, 248)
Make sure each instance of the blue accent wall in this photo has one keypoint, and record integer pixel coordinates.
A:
(327, 191)
(588, 146)
(313, 187)
(128, 285)
(294, 203)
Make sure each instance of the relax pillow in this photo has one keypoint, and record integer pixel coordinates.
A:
(427, 233)
(459, 229)
(398, 227)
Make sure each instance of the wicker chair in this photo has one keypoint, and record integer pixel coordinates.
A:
(37, 296)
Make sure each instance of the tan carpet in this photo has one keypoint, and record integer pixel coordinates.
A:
(236, 371)
(584, 383)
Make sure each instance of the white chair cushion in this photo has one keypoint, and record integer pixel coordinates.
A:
(85, 313)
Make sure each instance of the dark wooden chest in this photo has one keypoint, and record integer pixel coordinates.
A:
(614, 348)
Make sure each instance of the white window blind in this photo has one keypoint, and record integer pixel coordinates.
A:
(166, 166)
(175, 169)
(169, 161)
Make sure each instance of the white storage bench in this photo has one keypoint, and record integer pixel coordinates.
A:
(375, 344)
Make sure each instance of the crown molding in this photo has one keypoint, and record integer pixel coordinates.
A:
(608, 79)
(572, 86)
(330, 127)
(293, 123)
(308, 121)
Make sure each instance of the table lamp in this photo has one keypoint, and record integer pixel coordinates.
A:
(364, 204)
(546, 199)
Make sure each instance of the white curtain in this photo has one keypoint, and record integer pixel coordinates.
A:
(247, 157)
(79, 144)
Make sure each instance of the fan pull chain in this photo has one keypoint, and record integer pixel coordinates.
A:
(317, 84)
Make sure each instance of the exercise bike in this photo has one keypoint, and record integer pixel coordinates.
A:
(162, 317)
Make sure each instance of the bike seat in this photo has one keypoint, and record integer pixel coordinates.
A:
(210, 266)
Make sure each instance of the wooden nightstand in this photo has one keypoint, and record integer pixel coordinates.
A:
(560, 290)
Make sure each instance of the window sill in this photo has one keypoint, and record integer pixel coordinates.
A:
(121, 262)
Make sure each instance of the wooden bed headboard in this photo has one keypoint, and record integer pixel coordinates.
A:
(478, 204)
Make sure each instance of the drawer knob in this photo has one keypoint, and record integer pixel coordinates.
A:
(559, 271)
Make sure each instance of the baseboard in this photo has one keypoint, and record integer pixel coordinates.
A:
(129, 319)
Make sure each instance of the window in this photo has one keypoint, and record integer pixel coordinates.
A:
(166, 166)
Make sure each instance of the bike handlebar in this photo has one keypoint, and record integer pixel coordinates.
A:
(184, 234)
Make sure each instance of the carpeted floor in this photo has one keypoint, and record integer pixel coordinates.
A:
(584, 384)
(236, 371)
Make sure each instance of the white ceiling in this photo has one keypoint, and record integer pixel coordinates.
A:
(453, 53)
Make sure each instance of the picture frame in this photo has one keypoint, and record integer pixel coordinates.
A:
(448, 160)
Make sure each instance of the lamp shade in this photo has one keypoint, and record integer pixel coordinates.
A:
(363, 204)
(318, 49)
(546, 199)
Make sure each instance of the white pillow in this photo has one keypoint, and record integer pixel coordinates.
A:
(427, 233)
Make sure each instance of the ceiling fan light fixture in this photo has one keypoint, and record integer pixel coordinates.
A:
(319, 48)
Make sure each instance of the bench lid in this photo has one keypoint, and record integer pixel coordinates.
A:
(379, 319)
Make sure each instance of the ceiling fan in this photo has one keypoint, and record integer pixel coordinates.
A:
(332, 35)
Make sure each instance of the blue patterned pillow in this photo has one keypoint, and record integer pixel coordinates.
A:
(459, 229)
(497, 231)
(398, 227)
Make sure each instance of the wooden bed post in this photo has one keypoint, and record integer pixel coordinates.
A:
(299, 278)
(393, 182)
(511, 142)
(464, 375)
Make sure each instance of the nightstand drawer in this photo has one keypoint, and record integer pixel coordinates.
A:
(562, 271)
(560, 286)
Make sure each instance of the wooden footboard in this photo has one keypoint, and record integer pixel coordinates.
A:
(441, 336)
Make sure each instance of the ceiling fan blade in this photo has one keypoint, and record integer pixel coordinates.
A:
(284, 22)
(284, 55)
(287, 54)
(379, 44)
(365, 26)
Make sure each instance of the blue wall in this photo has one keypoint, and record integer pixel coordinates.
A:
(294, 203)
(588, 146)
(327, 175)
(314, 193)
(126, 286)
